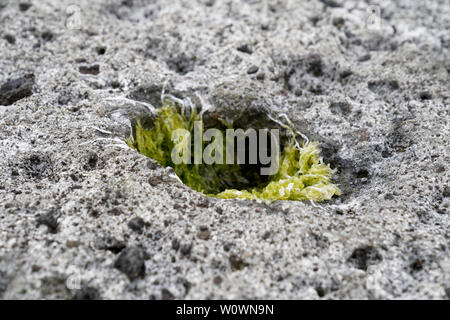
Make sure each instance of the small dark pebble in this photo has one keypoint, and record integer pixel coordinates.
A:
(10, 38)
(154, 181)
(94, 213)
(362, 173)
(227, 246)
(36, 268)
(338, 21)
(131, 262)
(175, 244)
(388, 196)
(446, 192)
(115, 84)
(425, 95)
(152, 165)
(74, 177)
(16, 89)
(111, 244)
(166, 294)
(204, 203)
(346, 73)
(204, 234)
(320, 291)
(252, 70)
(186, 248)
(331, 3)
(24, 6)
(93, 70)
(217, 280)
(245, 48)
(416, 265)
(48, 219)
(87, 293)
(136, 224)
(236, 263)
(266, 235)
(100, 50)
(47, 36)
(314, 19)
(440, 169)
(115, 212)
(365, 57)
(386, 154)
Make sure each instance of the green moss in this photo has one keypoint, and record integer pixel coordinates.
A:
(302, 175)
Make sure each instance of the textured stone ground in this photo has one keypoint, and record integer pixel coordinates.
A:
(83, 216)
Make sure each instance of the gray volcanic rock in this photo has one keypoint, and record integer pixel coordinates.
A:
(83, 216)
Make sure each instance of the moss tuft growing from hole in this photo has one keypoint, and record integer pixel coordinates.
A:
(302, 175)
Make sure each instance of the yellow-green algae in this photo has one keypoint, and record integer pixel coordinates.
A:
(302, 175)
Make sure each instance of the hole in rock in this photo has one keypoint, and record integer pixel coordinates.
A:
(249, 155)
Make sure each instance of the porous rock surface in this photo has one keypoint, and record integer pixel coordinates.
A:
(83, 216)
